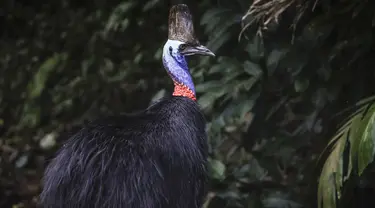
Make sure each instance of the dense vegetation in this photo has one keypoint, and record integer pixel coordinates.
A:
(288, 99)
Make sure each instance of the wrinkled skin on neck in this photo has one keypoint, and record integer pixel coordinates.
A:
(177, 68)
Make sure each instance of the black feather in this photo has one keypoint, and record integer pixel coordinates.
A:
(152, 159)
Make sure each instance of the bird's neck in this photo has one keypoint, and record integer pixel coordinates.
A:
(182, 90)
(178, 70)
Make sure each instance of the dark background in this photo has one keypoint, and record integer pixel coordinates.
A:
(273, 99)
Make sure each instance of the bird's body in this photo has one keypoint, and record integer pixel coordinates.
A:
(132, 161)
(151, 159)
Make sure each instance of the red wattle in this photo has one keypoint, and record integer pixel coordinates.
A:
(183, 90)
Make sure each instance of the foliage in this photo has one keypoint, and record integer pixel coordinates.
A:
(270, 96)
(65, 62)
(317, 64)
(353, 149)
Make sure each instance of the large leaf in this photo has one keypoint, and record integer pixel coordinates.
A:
(330, 181)
(359, 132)
(367, 144)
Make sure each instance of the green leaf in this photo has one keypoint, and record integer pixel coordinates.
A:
(359, 131)
(231, 76)
(248, 84)
(149, 5)
(161, 93)
(158, 54)
(208, 86)
(48, 141)
(355, 133)
(256, 171)
(211, 14)
(278, 200)
(217, 169)
(223, 27)
(215, 43)
(118, 19)
(215, 69)
(22, 161)
(256, 48)
(301, 85)
(138, 58)
(245, 107)
(226, 65)
(208, 99)
(330, 181)
(36, 86)
(274, 58)
(366, 146)
(252, 69)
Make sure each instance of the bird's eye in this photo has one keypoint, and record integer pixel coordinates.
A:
(170, 49)
(182, 47)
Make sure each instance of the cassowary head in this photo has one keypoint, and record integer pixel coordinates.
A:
(181, 36)
(181, 43)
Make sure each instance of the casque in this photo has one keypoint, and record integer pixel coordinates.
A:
(155, 158)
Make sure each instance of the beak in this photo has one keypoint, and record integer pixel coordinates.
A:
(197, 50)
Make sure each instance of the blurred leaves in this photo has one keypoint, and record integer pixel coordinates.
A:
(65, 62)
(295, 78)
(280, 201)
(118, 20)
(217, 23)
(37, 85)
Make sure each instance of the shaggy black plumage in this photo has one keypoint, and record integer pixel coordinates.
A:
(152, 159)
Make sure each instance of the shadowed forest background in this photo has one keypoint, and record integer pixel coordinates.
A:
(289, 98)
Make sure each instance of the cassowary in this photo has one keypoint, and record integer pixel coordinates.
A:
(151, 159)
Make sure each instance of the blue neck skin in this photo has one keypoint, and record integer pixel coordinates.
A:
(176, 65)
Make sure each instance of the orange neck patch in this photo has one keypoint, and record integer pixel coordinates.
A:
(183, 90)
